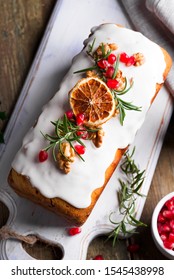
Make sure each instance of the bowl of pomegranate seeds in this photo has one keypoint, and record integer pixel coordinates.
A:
(163, 225)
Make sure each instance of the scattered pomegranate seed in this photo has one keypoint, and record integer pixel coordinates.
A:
(130, 61)
(109, 72)
(112, 83)
(69, 114)
(98, 257)
(112, 58)
(83, 133)
(43, 155)
(124, 57)
(79, 149)
(103, 63)
(80, 119)
(132, 248)
(74, 230)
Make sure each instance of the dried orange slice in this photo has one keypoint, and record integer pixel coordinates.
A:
(91, 97)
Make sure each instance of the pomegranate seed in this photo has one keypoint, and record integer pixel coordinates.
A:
(79, 149)
(43, 155)
(109, 72)
(130, 61)
(82, 133)
(74, 230)
(111, 58)
(171, 237)
(113, 84)
(164, 236)
(167, 214)
(165, 228)
(103, 63)
(170, 204)
(160, 228)
(98, 257)
(124, 57)
(172, 224)
(168, 244)
(132, 248)
(80, 119)
(161, 218)
(69, 114)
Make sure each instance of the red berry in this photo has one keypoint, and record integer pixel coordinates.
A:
(82, 133)
(161, 218)
(112, 58)
(132, 248)
(79, 149)
(168, 244)
(69, 114)
(124, 57)
(164, 236)
(109, 72)
(170, 204)
(43, 155)
(165, 228)
(171, 237)
(98, 257)
(112, 83)
(167, 214)
(171, 223)
(103, 63)
(74, 230)
(130, 61)
(80, 119)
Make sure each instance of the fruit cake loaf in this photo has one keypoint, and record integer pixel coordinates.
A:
(68, 157)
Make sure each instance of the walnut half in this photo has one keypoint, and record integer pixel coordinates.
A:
(65, 157)
(97, 137)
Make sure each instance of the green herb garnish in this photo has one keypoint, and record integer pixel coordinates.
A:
(65, 131)
(128, 193)
(121, 105)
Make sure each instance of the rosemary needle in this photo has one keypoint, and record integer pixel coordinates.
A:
(129, 190)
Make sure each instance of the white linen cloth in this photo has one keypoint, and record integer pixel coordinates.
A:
(164, 10)
(144, 21)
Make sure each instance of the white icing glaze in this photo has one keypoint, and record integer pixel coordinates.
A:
(76, 187)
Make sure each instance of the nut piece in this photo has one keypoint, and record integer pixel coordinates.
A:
(106, 47)
(91, 74)
(97, 137)
(65, 157)
(122, 80)
(139, 59)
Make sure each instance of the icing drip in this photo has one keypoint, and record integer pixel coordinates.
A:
(76, 187)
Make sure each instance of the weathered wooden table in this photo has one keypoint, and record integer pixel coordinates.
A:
(22, 24)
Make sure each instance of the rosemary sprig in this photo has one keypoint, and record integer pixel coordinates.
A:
(129, 190)
(121, 105)
(3, 117)
(65, 131)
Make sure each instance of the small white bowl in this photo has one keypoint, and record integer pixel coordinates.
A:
(156, 237)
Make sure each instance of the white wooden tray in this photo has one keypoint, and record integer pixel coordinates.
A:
(69, 25)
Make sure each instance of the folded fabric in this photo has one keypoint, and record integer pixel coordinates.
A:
(164, 10)
(144, 21)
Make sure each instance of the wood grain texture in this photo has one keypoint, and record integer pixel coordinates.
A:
(22, 25)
